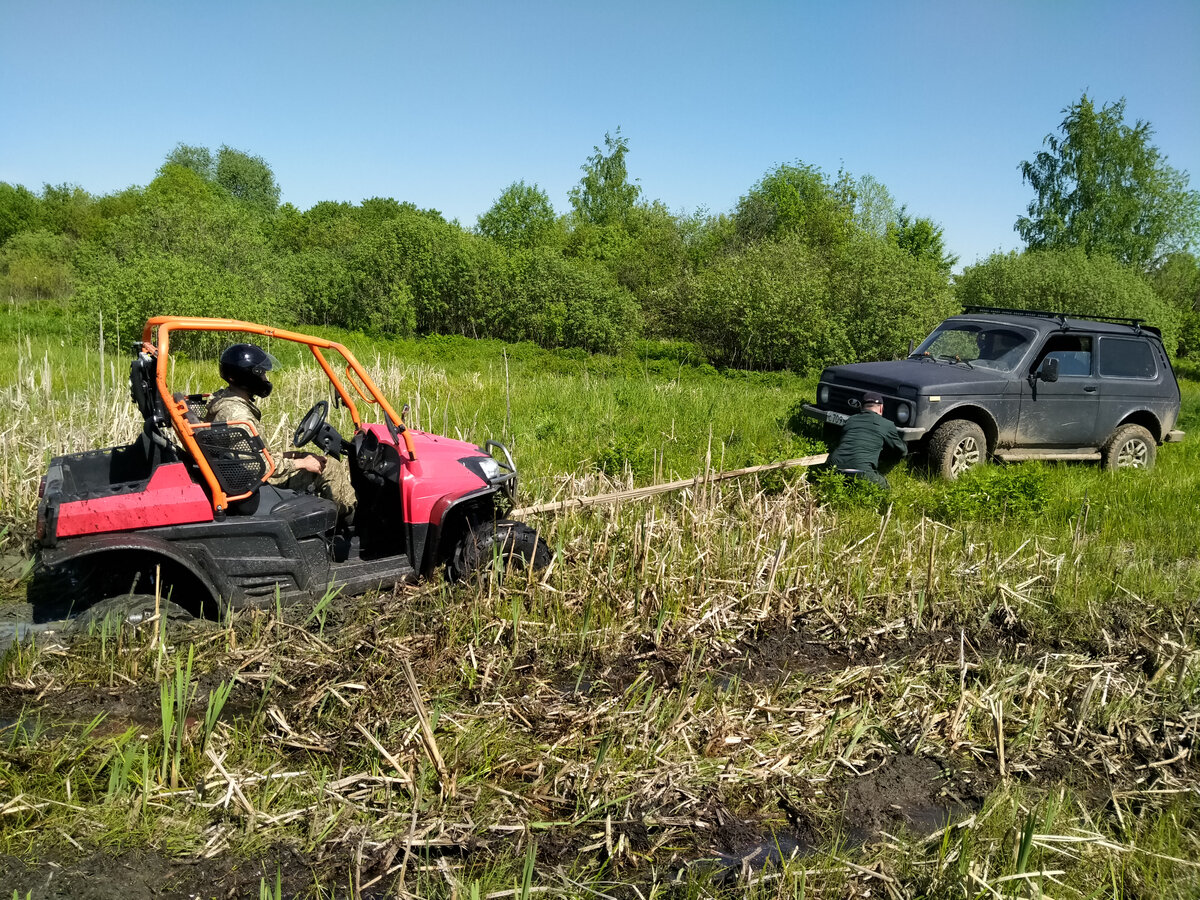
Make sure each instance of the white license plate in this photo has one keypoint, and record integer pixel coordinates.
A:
(836, 418)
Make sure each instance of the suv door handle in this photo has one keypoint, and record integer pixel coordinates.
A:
(1090, 389)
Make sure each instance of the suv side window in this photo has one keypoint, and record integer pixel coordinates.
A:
(1073, 352)
(1126, 358)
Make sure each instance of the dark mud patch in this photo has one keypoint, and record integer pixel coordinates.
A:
(28, 716)
(144, 874)
(140, 707)
(752, 857)
(778, 648)
(916, 794)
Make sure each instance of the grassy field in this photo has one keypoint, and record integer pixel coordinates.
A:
(764, 688)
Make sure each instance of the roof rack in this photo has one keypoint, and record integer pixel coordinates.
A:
(1061, 317)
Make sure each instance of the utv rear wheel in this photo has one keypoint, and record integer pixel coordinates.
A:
(957, 446)
(1130, 447)
(513, 546)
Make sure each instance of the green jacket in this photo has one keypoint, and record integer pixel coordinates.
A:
(864, 437)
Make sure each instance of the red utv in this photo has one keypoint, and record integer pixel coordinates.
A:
(186, 508)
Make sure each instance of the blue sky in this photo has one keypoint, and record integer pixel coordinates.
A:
(445, 104)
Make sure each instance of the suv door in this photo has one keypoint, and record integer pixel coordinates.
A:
(1132, 379)
(1062, 413)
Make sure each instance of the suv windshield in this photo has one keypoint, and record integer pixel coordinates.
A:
(989, 346)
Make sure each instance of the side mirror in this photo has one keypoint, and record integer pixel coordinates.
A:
(1048, 370)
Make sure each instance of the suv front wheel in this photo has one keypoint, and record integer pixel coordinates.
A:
(956, 446)
(1130, 447)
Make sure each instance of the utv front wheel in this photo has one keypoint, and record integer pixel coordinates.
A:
(957, 446)
(1130, 447)
(505, 544)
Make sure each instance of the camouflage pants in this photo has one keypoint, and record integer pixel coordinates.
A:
(332, 484)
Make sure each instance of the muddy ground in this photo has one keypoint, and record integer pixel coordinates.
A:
(719, 837)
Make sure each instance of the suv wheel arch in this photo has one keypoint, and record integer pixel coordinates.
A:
(452, 518)
(1145, 419)
(976, 414)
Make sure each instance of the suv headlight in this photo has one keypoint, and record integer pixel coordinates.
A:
(902, 413)
(823, 394)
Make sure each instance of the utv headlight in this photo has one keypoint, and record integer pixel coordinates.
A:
(490, 468)
(902, 413)
(823, 394)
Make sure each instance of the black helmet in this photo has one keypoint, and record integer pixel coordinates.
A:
(246, 366)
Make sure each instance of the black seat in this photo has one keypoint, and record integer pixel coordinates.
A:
(307, 515)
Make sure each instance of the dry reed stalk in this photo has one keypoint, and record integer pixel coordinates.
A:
(446, 780)
(405, 778)
(997, 707)
(234, 787)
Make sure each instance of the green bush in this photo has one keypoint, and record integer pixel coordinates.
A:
(884, 297)
(1177, 282)
(127, 292)
(188, 249)
(844, 492)
(35, 264)
(785, 304)
(621, 455)
(558, 302)
(1016, 493)
(767, 307)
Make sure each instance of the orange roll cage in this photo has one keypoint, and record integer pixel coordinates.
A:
(177, 410)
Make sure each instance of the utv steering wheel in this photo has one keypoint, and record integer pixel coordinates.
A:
(311, 424)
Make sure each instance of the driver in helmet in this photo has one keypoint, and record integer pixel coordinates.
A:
(245, 368)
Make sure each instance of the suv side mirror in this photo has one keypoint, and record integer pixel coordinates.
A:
(1048, 370)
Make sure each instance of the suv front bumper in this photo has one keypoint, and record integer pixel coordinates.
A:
(832, 417)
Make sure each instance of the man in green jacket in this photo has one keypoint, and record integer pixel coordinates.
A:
(864, 438)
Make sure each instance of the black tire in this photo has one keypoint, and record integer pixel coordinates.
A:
(1130, 447)
(515, 545)
(955, 447)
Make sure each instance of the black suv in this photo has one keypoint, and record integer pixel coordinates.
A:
(1019, 384)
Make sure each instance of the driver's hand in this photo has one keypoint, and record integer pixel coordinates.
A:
(311, 463)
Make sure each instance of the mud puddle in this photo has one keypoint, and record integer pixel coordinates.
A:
(916, 794)
(906, 795)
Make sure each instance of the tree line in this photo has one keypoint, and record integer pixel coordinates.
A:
(809, 268)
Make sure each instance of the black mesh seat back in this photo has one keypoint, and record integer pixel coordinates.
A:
(235, 455)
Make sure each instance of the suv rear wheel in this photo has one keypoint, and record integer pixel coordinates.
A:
(956, 446)
(1130, 447)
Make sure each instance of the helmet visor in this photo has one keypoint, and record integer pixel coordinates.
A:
(266, 364)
